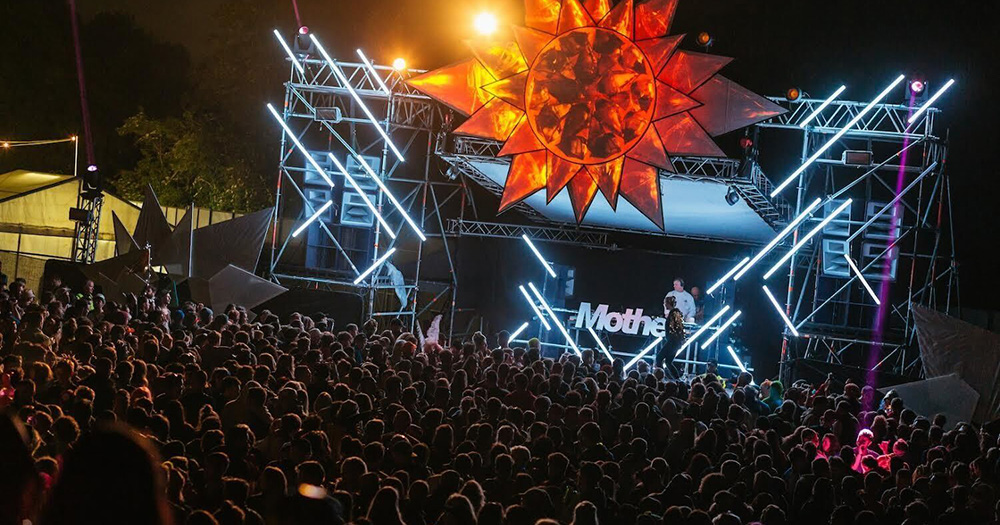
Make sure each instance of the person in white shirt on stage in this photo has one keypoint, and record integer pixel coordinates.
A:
(685, 302)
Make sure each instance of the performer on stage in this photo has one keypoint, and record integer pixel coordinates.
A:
(675, 336)
(685, 302)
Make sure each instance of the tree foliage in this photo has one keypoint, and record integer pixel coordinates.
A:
(188, 159)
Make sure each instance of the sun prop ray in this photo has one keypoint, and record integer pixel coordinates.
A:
(594, 99)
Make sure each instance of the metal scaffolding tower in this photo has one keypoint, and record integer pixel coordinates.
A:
(898, 230)
(323, 113)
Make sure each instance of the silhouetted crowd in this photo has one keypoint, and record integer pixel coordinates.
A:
(146, 412)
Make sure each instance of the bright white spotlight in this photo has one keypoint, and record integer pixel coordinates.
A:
(726, 277)
(399, 64)
(864, 281)
(702, 330)
(364, 196)
(822, 106)
(802, 242)
(538, 254)
(517, 332)
(857, 118)
(375, 266)
(486, 23)
(930, 101)
(288, 51)
(299, 145)
(600, 343)
(721, 329)
(392, 198)
(781, 312)
(643, 353)
(555, 319)
(350, 89)
(774, 242)
(534, 307)
(311, 219)
(374, 74)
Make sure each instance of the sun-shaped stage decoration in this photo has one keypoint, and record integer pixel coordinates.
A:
(594, 98)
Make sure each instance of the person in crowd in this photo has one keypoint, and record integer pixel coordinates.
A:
(675, 335)
(699, 304)
(155, 411)
(683, 301)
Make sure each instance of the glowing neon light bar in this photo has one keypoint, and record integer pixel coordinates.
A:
(539, 255)
(727, 276)
(721, 329)
(702, 330)
(392, 198)
(555, 319)
(774, 242)
(781, 312)
(535, 308)
(822, 106)
(857, 118)
(864, 281)
(311, 219)
(350, 89)
(600, 343)
(802, 242)
(371, 69)
(930, 101)
(373, 267)
(364, 197)
(288, 50)
(642, 354)
(517, 332)
(299, 145)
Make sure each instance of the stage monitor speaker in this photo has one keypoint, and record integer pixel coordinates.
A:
(881, 228)
(841, 225)
(834, 264)
(835, 235)
(79, 215)
(313, 177)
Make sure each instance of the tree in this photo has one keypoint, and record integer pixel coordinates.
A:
(191, 159)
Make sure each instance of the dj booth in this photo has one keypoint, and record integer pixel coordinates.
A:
(631, 336)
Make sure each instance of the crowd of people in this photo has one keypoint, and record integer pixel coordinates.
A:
(150, 412)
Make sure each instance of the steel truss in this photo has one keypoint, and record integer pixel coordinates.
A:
(470, 228)
(834, 314)
(319, 109)
(748, 180)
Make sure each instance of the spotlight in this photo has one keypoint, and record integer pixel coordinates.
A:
(704, 39)
(399, 64)
(917, 86)
(304, 30)
(92, 168)
(485, 23)
(732, 197)
(793, 94)
(73, 138)
(6, 145)
(746, 143)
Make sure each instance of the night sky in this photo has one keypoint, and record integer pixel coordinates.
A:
(812, 45)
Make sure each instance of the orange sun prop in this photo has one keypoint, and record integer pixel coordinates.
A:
(594, 98)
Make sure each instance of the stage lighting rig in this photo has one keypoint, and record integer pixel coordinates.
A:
(399, 64)
(917, 91)
(793, 94)
(705, 39)
(732, 196)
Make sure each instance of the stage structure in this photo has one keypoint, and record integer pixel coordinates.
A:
(600, 107)
(851, 291)
(329, 236)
